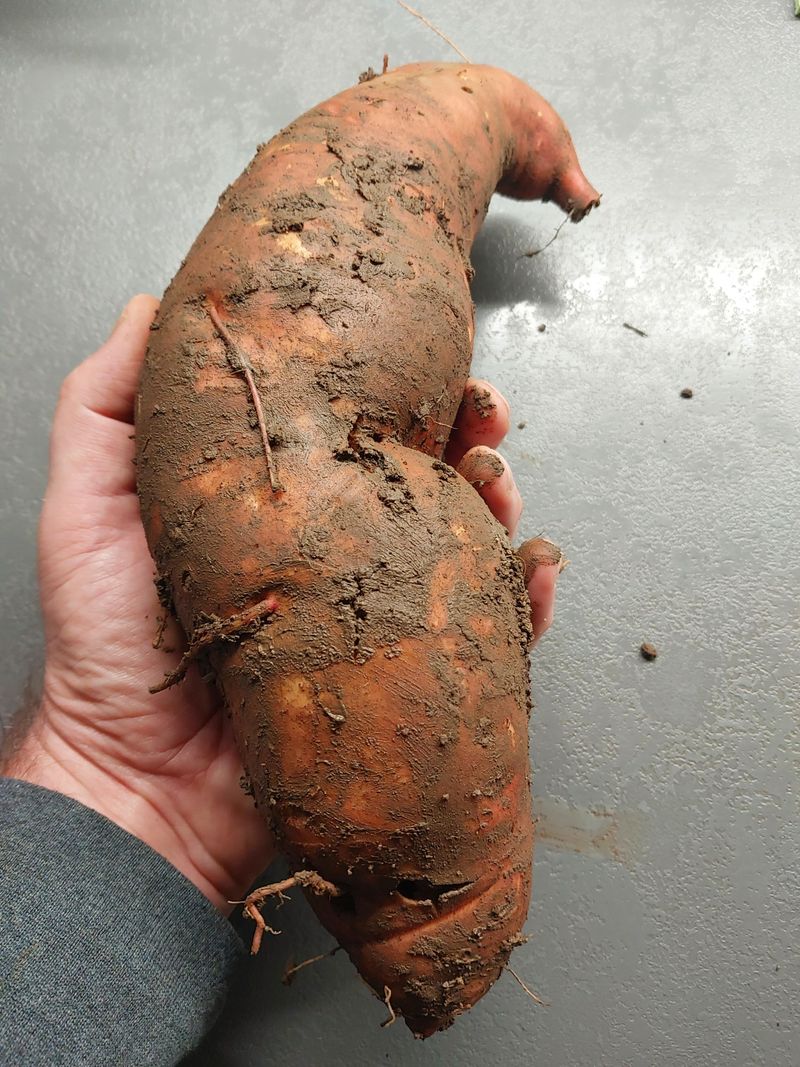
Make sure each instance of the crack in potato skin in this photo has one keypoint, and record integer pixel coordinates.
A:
(381, 708)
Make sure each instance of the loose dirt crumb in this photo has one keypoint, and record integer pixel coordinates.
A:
(521, 425)
(648, 651)
(483, 403)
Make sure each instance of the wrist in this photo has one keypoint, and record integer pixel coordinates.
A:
(46, 758)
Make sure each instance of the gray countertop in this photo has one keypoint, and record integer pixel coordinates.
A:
(664, 924)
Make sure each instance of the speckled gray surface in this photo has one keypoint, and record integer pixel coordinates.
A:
(665, 920)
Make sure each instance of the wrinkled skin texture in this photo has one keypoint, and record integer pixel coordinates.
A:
(379, 689)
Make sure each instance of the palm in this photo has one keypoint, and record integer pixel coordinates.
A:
(103, 614)
(97, 580)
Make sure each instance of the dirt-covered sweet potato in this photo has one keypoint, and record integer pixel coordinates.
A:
(363, 613)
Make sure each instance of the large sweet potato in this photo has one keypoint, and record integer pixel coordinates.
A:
(363, 613)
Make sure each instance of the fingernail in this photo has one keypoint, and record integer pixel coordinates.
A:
(482, 468)
(540, 552)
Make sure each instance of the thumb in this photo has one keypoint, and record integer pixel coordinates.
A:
(90, 444)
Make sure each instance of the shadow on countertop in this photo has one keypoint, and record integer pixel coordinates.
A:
(504, 275)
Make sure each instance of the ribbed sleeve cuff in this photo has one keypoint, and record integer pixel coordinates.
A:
(108, 954)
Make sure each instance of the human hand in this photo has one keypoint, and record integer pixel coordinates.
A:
(163, 766)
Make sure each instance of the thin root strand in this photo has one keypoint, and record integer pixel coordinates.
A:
(239, 361)
(291, 970)
(162, 625)
(387, 1000)
(530, 992)
(538, 251)
(255, 900)
(209, 633)
(260, 930)
(436, 30)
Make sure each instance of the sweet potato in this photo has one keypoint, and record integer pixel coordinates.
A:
(364, 615)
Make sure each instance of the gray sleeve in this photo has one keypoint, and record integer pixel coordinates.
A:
(108, 955)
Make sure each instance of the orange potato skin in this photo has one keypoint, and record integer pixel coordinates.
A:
(380, 696)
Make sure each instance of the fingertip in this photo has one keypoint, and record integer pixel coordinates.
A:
(492, 478)
(108, 379)
(543, 561)
(139, 309)
(91, 450)
(492, 409)
(105, 385)
(486, 394)
(481, 466)
(484, 416)
(539, 552)
(146, 301)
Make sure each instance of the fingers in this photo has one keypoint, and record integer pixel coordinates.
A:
(481, 424)
(483, 419)
(491, 476)
(543, 562)
(90, 444)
